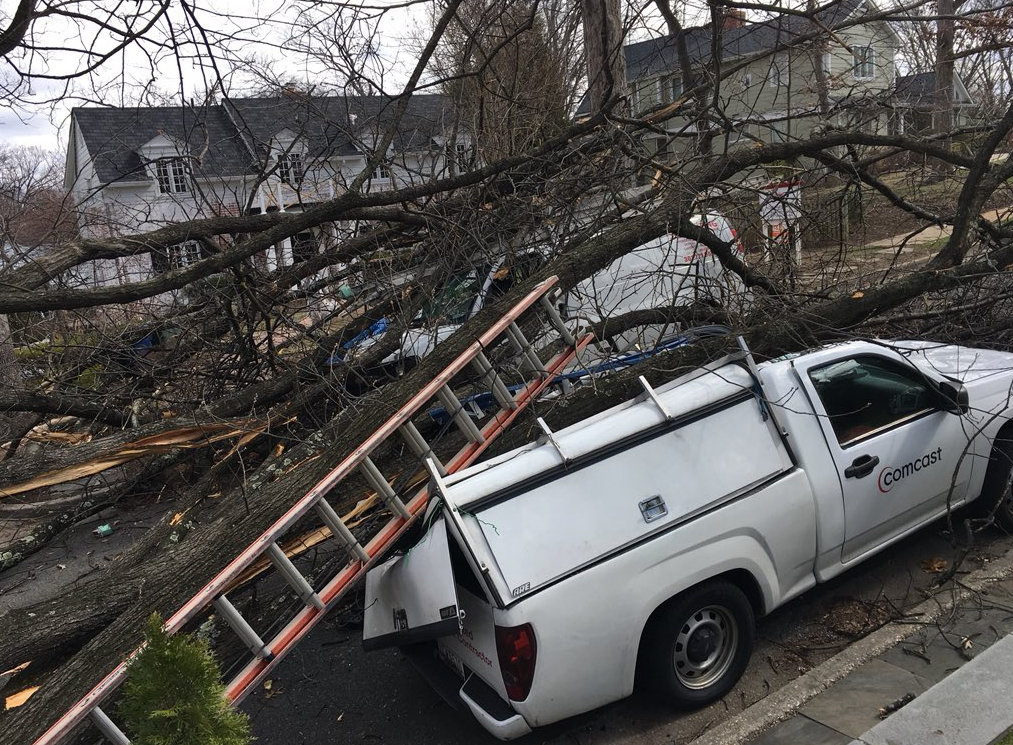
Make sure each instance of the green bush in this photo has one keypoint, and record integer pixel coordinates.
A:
(174, 695)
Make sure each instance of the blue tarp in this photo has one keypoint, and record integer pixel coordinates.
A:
(375, 329)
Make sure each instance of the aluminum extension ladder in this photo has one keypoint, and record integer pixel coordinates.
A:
(265, 654)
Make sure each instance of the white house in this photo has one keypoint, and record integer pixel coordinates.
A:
(137, 169)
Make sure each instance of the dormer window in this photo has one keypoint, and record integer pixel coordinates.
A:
(172, 177)
(290, 168)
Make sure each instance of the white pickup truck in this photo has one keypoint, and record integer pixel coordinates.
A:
(644, 541)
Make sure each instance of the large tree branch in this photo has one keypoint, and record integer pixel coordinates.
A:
(11, 36)
(38, 403)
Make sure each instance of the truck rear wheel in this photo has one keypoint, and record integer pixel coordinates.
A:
(697, 646)
(996, 498)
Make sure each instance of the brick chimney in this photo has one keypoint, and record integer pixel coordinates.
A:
(734, 18)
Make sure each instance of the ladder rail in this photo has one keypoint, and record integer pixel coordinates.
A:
(257, 669)
(304, 620)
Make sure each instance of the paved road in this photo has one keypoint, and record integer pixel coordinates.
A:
(330, 691)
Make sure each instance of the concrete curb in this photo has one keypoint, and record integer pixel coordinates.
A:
(781, 704)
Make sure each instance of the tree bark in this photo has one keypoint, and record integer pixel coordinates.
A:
(942, 116)
(9, 378)
(39, 403)
(603, 48)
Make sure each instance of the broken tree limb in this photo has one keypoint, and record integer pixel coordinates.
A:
(40, 403)
(94, 457)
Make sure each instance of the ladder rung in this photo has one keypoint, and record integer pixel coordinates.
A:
(108, 729)
(294, 577)
(242, 628)
(523, 346)
(493, 381)
(381, 487)
(340, 531)
(464, 422)
(557, 321)
(419, 446)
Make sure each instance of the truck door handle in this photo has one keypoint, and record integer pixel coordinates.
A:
(861, 466)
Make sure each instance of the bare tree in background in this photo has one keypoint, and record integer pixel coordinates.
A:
(508, 67)
(33, 215)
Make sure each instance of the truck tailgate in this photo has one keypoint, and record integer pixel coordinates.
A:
(412, 598)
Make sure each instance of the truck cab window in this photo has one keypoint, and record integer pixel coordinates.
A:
(865, 395)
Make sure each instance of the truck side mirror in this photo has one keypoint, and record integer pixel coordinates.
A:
(955, 396)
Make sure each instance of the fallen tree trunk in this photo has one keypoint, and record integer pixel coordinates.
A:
(170, 574)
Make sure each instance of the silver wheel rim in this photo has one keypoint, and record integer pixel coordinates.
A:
(705, 646)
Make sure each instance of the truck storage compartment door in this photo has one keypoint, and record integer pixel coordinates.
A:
(412, 598)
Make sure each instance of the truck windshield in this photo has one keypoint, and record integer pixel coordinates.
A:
(453, 301)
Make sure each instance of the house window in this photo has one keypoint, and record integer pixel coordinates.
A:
(778, 71)
(673, 87)
(828, 63)
(381, 172)
(779, 131)
(290, 168)
(463, 156)
(171, 175)
(897, 122)
(747, 81)
(865, 62)
(176, 256)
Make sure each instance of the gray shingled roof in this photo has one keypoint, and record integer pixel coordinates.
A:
(919, 90)
(657, 56)
(113, 136)
(236, 134)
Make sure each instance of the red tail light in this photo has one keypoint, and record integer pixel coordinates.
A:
(515, 646)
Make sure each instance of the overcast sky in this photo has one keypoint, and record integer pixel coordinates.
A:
(178, 58)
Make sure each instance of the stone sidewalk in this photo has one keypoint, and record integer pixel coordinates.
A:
(945, 671)
(851, 707)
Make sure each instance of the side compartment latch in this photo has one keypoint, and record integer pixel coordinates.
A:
(653, 508)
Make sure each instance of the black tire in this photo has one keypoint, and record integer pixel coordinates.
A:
(996, 500)
(696, 647)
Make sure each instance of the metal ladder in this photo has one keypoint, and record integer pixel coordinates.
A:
(265, 654)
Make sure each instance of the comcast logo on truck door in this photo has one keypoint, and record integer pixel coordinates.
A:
(891, 475)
